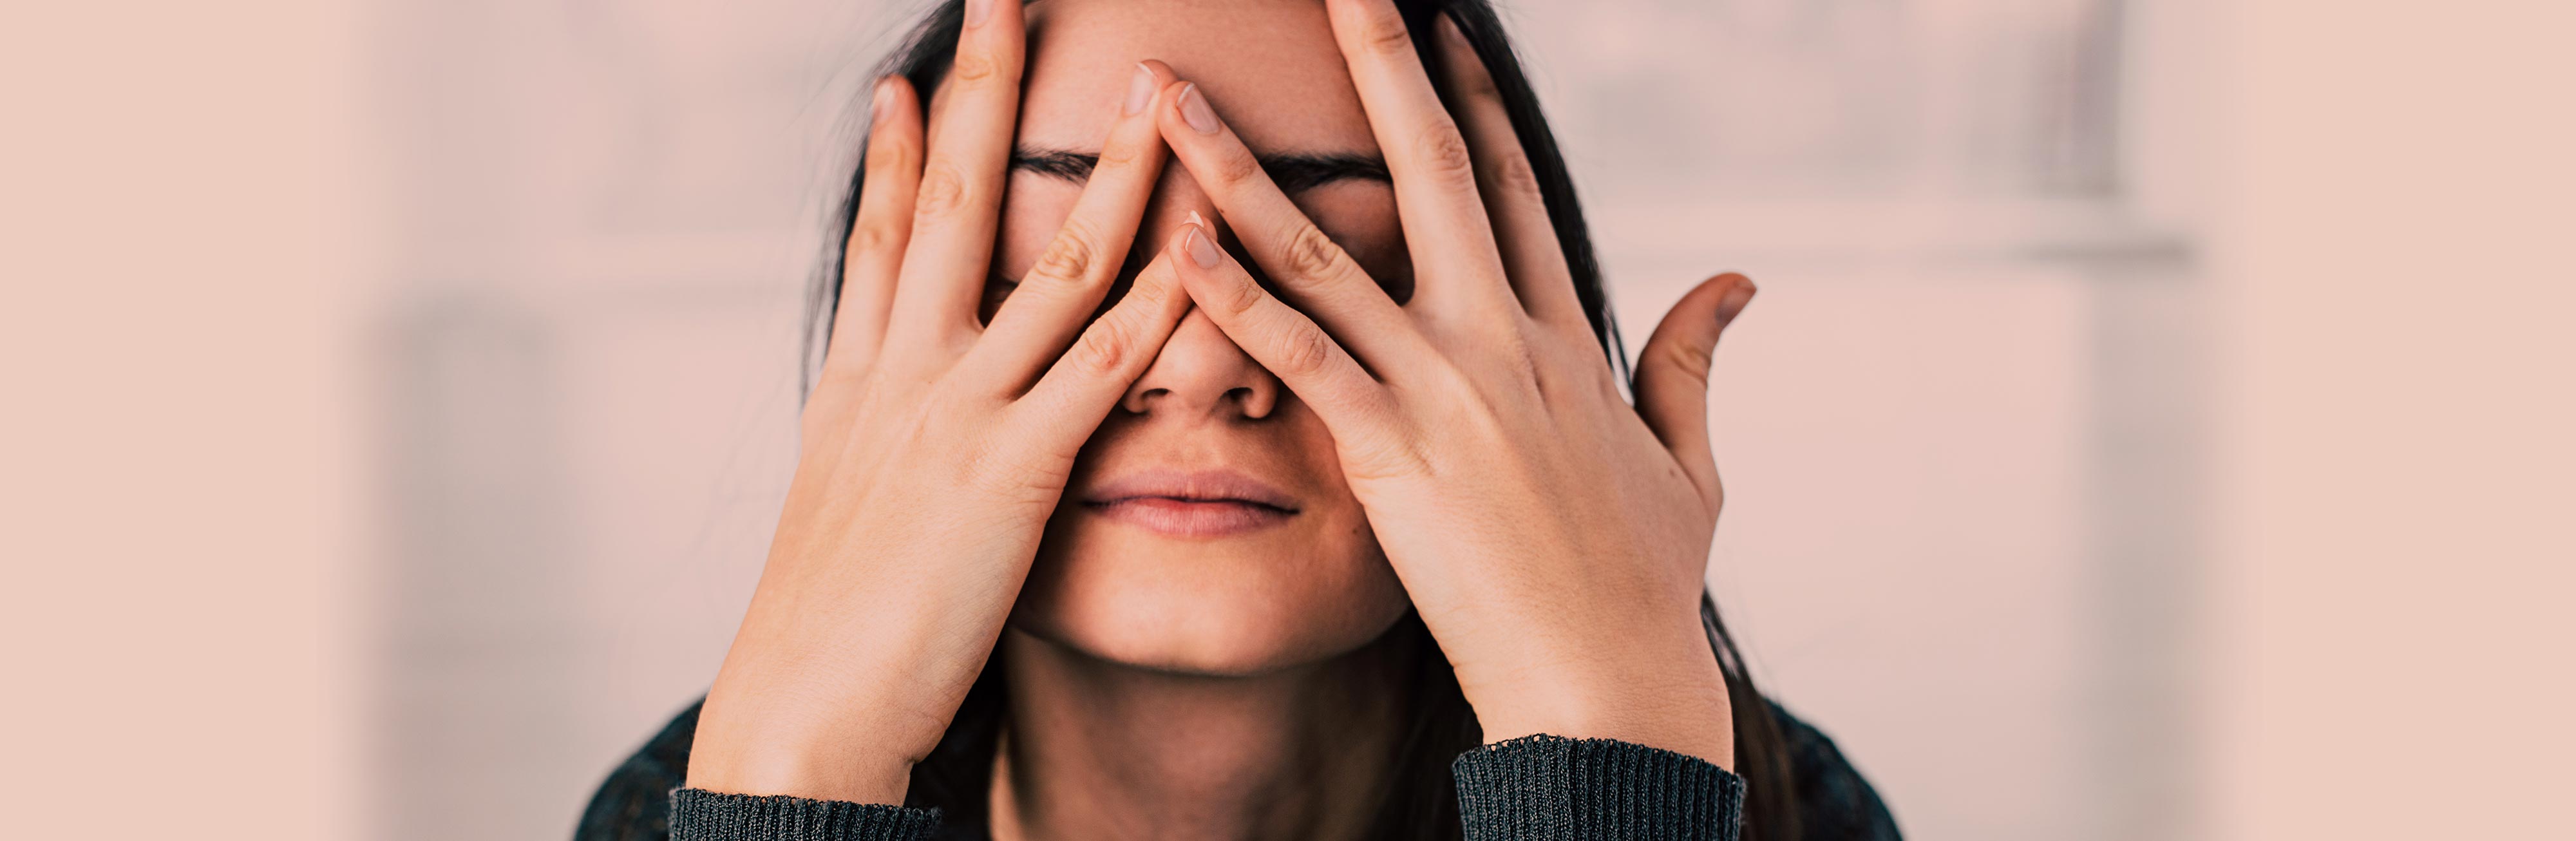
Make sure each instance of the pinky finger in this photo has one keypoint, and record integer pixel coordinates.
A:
(1283, 340)
(1108, 357)
(880, 226)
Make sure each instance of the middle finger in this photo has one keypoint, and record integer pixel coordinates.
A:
(1457, 266)
(956, 210)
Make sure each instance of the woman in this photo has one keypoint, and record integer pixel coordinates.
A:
(1317, 513)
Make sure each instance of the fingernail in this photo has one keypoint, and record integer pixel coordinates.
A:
(877, 102)
(1195, 219)
(1194, 108)
(1140, 90)
(1735, 300)
(1202, 251)
(977, 11)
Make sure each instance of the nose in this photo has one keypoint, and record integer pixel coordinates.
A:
(1200, 373)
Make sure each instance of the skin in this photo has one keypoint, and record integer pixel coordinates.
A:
(1406, 361)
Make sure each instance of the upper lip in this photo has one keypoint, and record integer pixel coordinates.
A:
(1190, 486)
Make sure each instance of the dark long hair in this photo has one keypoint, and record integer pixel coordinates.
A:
(1421, 803)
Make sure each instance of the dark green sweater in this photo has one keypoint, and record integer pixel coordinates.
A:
(1538, 788)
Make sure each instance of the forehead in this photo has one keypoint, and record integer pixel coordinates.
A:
(1269, 66)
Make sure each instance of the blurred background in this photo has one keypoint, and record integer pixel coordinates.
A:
(2154, 424)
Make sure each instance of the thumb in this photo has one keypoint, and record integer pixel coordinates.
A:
(1672, 375)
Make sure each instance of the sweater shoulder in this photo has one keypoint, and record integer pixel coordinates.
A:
(1835, 803)
(634, 803)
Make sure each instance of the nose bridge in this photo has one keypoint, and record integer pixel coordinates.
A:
(1200, 372)
(1176, 196)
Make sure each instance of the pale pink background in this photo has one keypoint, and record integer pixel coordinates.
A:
(2154, 425)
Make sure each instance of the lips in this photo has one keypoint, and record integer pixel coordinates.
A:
(1211, 503)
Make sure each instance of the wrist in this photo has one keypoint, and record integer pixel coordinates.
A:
(854, 739)
(770, 758)
(1671, 696)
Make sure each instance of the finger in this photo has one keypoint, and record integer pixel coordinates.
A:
(1672, 375)
(1112, 352)
(1077, 268)
(870, 259)
(954, 214)
(1308, 267)
(1283, 340)
(1459, 272)
(1532, 257)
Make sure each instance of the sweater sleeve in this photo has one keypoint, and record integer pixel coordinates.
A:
(700, 815)
(1551, 788)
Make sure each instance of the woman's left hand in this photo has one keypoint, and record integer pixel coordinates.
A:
(1553, 538)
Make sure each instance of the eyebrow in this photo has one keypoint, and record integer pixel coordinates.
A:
(1292, 172)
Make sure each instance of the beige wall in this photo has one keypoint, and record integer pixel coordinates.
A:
(2225, 472)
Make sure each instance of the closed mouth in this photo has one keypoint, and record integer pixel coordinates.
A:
(1191, 504)
(1202, 487)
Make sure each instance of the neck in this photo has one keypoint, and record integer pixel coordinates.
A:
(1095, 749)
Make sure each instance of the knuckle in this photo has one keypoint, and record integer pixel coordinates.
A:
(1513, 176)
(1242, 297)
(1069, 258)
(875, 236)
(1116, 156)
(1383, 33)
(1305, 351)
(1148, 292)
(1444, 154)
(1385, 456)
(1104, 348)
(1474, 81)
(943, 191)
(974, 67)
(1237, 169)
(1688, 358)
(1311, 254)
(889, 156)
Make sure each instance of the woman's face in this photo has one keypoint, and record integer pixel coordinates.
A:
(1207, 528)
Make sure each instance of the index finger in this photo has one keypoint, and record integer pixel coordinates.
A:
(1446, 232)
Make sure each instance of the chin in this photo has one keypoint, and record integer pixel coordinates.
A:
(1235, 607)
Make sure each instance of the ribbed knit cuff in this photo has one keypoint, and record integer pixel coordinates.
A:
(701, 815)
(1551, 788)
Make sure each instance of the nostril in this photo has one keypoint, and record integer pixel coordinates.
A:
(1139, 402)
(1255, 403)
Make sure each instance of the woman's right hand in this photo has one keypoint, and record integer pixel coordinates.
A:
(934, 449)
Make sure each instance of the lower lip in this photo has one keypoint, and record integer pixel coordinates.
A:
(1190, 518)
